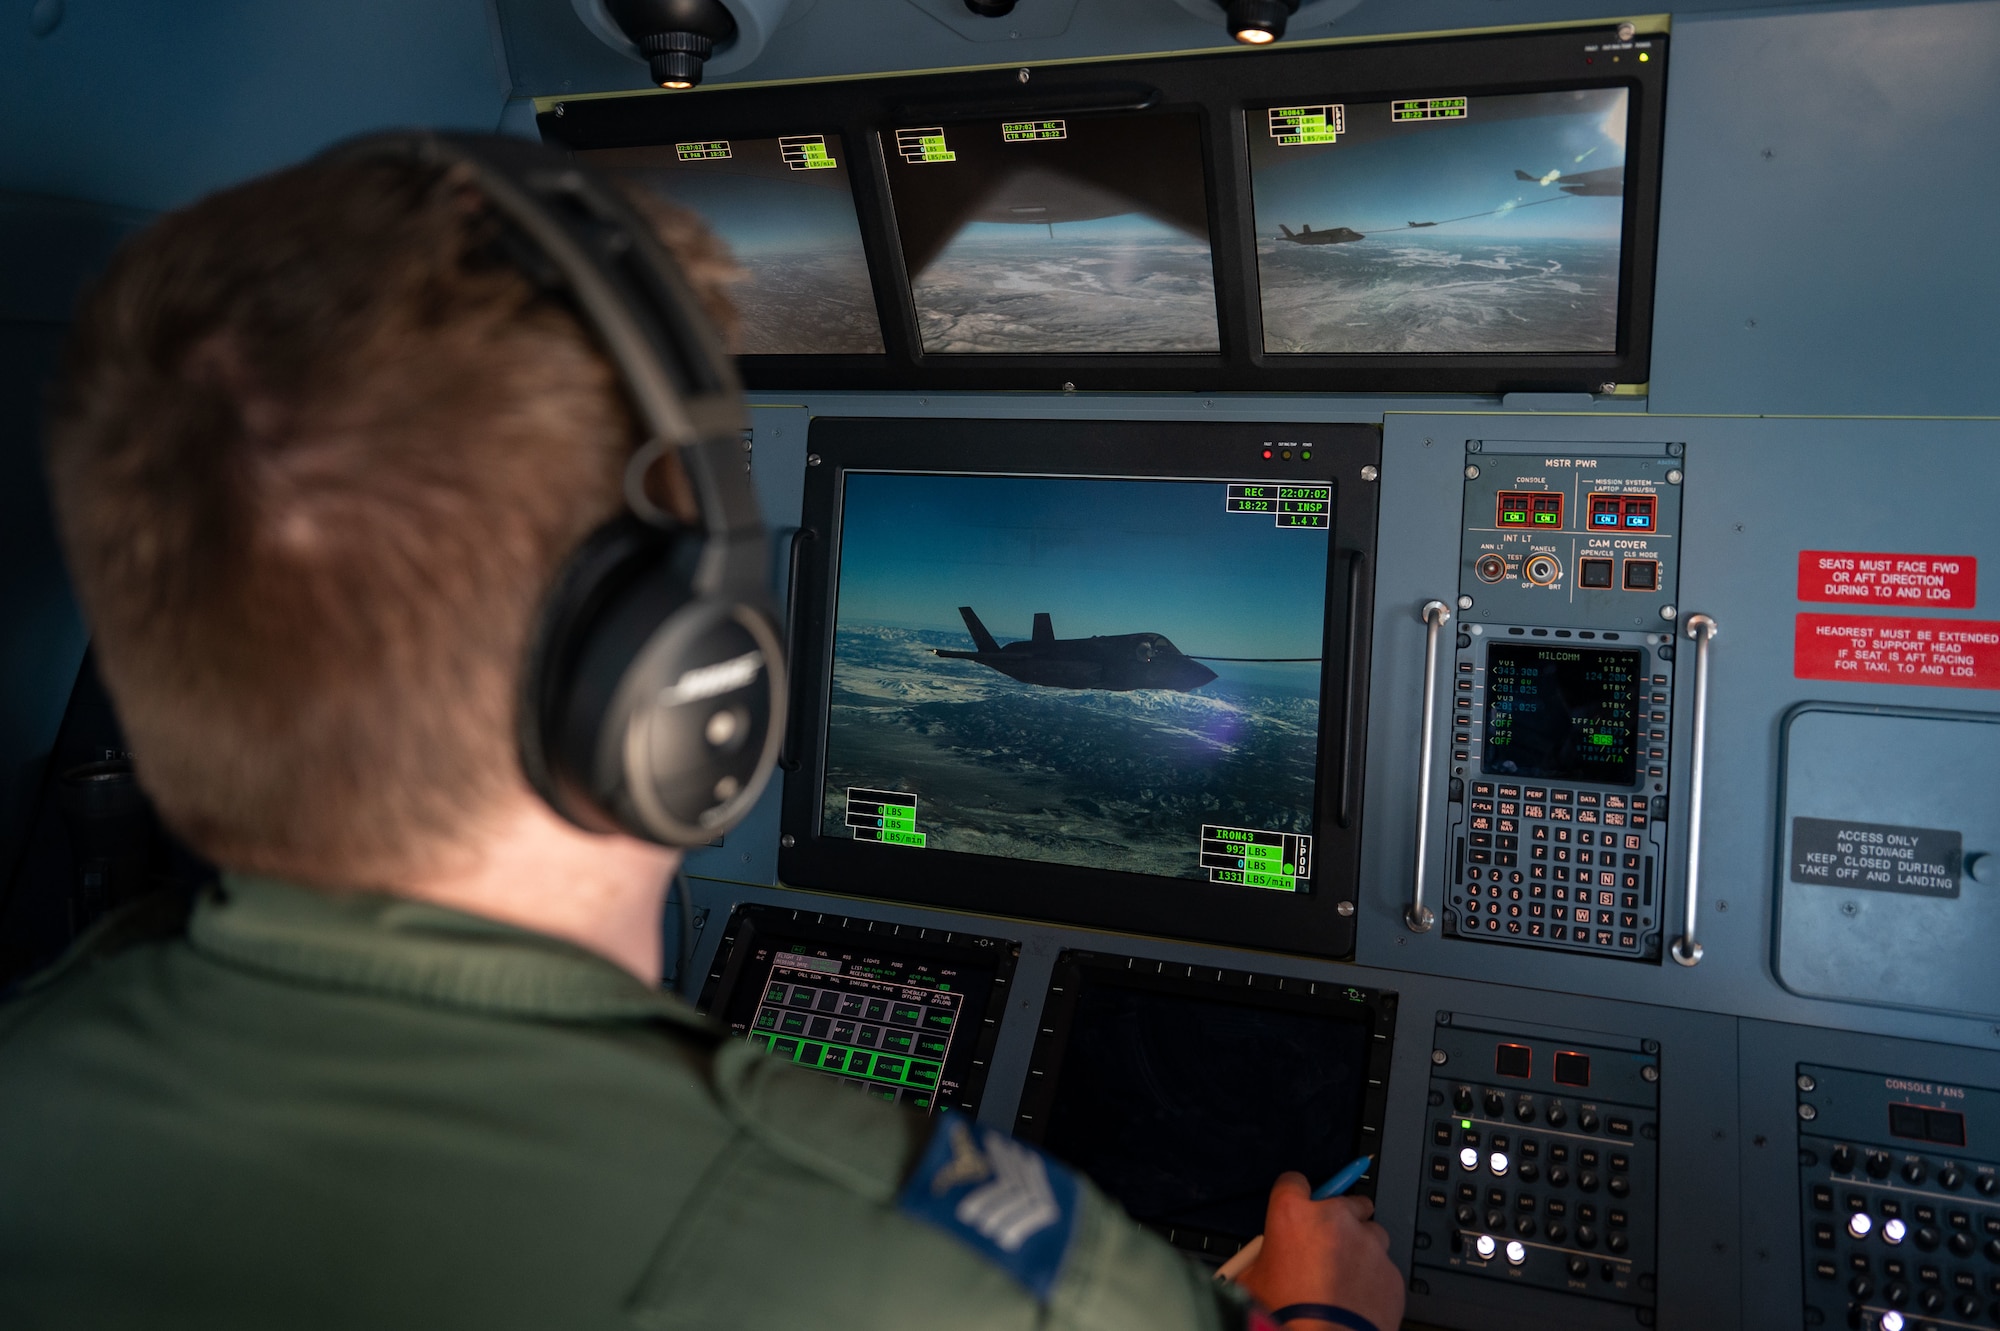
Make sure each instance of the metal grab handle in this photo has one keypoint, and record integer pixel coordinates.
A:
(1418, 916)
(1687, 949)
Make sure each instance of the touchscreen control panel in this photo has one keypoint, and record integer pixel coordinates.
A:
(1541, 1168)
(1899, 1197)
(1561, 701)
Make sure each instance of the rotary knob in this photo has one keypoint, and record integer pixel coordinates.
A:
(1461, 1099)
(1961, 1245)
(1587, 1120)
(1843, 1159)
(1578, 1268)
(1490, 568)
(1524, 1109)
(1878, 1164)
(1558, 1116)
(1541, 569)
(1914, 1171)
(1987, 1184)
(1952, 1177)
(1496, 1104)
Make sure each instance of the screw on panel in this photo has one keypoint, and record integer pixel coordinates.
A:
(1024, 75)
(1370, 472)
(788, 841)
(1806, 1082)
(1344, 909)
(1068, 387)
(1465, 603)
(1438, 1057)
(1471, 472)
(1649, 1073)
(1808, 1113)
(1674, 476)
(812, 459)
(1850, 908)
(1668, 612)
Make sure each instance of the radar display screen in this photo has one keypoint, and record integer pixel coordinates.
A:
(1442, 225)
(902, 1014)
(1562, 713)
(1108, 672)
(1047, 237)
(1185, 1092)
(785, 208)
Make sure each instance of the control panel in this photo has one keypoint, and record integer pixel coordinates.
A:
(1562, 691)
(1899, 1183)
(1541, 1169)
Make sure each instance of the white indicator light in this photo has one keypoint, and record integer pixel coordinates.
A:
(1894, 1231)
(1517, 1252)
(1859, 1224)
(1498, 1162)
(1892, 1321)
(1469, 1158)
(1485, 1247)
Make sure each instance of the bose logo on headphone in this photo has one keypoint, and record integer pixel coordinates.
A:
(710, 680)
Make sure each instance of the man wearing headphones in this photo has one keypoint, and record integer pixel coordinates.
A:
(403, 495)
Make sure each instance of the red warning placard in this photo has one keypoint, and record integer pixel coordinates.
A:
(1890, 649)
(1859, 577)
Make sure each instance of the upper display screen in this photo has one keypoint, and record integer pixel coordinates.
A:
(1441, 225)
(1562, 713)
(1056, 236)
(1104, 672)
(786, 210)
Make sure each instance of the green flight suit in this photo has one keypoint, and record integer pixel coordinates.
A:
(291, 1109)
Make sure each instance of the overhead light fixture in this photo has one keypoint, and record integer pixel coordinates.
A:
(676, 36)
(990, 8)
(1259, 22)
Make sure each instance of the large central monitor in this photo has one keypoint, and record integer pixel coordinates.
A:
(1095, 672)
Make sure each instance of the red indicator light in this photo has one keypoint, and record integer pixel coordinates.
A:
(1267, 452)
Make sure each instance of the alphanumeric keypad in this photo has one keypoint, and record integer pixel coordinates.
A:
(1555, 865)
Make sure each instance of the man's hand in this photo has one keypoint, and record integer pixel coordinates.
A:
(1325, 1252)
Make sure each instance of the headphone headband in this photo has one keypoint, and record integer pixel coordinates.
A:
(596, 248)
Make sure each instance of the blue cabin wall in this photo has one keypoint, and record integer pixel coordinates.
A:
(1827, 232)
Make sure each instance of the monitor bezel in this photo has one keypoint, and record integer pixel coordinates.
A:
(1075, 968)
(750, 924)
(1221, 87)
(1309, 923)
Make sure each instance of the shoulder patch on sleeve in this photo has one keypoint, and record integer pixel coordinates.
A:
(1002, 1198)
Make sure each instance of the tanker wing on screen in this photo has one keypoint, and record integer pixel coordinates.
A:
(1118, 663)
(1609, 182)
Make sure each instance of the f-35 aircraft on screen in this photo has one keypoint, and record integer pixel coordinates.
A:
(1305, 235)
(1118, 663)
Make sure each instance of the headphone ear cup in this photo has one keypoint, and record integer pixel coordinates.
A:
(650, 710)
(614, 555)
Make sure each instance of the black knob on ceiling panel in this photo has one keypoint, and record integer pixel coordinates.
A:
(1843, 1159)
(1578, 1269)
(1914, 1170)
(1587, 1120)
(1952, 1177)
(1878, 1164)
(1461, 1099)
(1987, 1184)
(1496, 1104)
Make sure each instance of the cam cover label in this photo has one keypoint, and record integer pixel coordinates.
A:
(1885, 649)
(1859, 577)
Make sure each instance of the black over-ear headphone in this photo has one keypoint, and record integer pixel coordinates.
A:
(654, 686)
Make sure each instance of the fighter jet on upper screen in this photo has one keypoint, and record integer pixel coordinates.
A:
(1305, 235)
(1118, 663)
(1608, 182)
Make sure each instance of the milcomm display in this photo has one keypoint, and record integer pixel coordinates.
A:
(907, 1016)
(785, 208)
(1443, 224)
(1121, 673)
(1562, 713)
(1045, 236)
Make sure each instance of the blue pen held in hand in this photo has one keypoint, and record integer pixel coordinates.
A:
(1333, 1187)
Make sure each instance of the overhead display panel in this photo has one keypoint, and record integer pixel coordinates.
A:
(785, 208)
(1124, 654)
(1471, 214)
(1055, 235)
(1433, 225)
